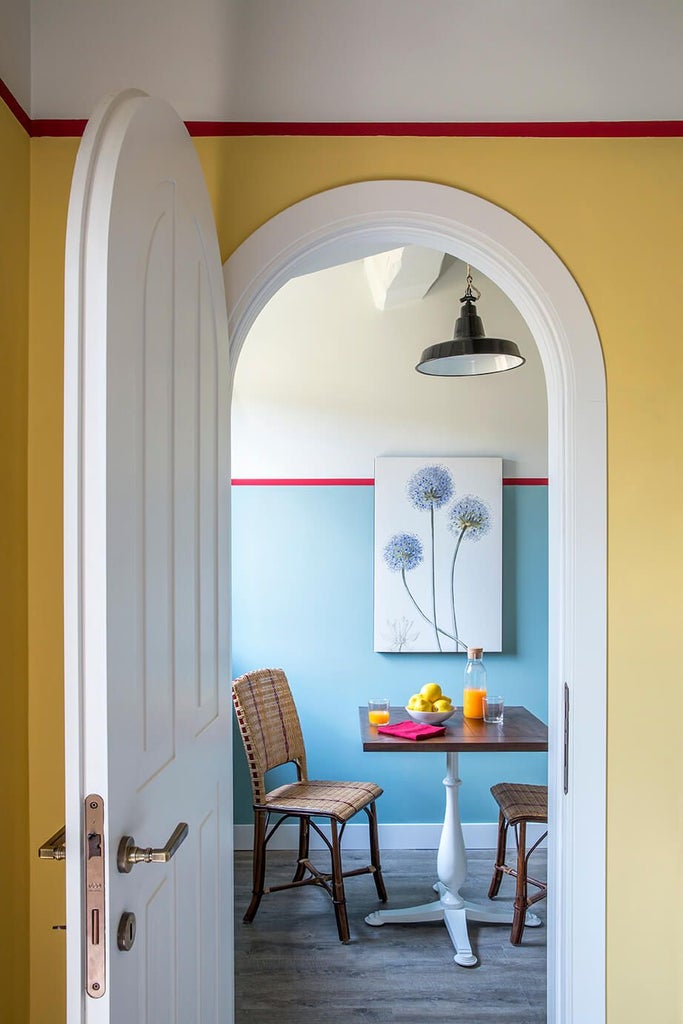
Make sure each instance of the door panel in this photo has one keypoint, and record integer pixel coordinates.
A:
(158, 981)
(149, 722)
(156, 488)
(208, 885)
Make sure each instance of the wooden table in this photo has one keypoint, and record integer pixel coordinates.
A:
(520, 731)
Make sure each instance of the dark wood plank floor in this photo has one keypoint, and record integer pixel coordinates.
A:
(290, 968)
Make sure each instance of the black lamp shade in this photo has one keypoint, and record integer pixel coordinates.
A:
(470, 352)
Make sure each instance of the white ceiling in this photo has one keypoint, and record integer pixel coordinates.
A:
(365, 60)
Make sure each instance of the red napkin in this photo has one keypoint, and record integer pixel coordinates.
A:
(412, 730)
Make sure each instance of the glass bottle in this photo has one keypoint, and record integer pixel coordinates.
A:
(474, 689)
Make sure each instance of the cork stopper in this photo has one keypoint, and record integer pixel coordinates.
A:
(475, 652)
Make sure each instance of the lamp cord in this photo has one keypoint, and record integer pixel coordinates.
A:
(470, 287)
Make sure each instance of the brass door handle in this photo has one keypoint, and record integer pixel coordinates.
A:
(129, 854)
(54, 848)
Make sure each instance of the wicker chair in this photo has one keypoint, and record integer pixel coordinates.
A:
(271, 734)
(518, 805)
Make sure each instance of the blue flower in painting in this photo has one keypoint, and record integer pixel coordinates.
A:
(470, 516)
(430, 487)
(403, 552)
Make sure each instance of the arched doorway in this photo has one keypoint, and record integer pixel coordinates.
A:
(354, 220)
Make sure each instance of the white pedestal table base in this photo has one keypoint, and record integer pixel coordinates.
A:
(451, 907)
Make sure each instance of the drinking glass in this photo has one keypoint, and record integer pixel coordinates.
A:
(494, 707)
(378, 710)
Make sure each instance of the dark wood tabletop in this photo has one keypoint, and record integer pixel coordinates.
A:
(520, 730)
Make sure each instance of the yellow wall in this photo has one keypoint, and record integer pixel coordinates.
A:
(51, 169)
(613, 211)
(14, 233)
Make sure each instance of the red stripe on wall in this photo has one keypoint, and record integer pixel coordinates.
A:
(15, 107)
(445, 129)
(364, 481)
(74, 127)
(332, 481)
(54, 128)
(525, 481)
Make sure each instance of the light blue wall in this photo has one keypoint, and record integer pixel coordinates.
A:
(303, 601)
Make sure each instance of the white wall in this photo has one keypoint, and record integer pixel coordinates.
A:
(365, 60)
(326, 381)
(454, 60)
(85, 49)
(15, 49)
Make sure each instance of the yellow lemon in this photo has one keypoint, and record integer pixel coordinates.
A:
(413, 700)
(421, 704)
(443, 704)
(432, 691)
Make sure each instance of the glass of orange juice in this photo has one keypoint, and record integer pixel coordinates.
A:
(378, 710)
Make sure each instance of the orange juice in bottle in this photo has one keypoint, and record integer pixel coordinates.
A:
(474, 689)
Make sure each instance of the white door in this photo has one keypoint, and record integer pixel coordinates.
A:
(146, 577)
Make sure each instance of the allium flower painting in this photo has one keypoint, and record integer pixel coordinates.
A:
(403, 551)
(438, 554)
(430, 487)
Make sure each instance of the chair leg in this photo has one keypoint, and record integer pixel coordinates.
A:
(304, 834)
(521, 893)
(371, 811)
(259, 863)
(338, 897)
(497, 877)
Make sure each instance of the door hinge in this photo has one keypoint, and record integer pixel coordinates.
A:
(95, 929)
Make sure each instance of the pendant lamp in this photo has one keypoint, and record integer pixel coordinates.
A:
(470, 352)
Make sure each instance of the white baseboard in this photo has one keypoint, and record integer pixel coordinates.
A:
(482, 836)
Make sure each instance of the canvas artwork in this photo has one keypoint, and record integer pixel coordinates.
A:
(438, 554)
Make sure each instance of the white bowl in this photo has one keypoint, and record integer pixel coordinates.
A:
(430, 717)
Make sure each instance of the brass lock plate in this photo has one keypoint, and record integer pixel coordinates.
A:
(95, 932)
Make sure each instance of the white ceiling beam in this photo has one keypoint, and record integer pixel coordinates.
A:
(402, 275)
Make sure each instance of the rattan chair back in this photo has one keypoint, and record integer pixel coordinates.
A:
(269, 725)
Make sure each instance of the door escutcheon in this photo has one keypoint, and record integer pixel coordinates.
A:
(125, 936)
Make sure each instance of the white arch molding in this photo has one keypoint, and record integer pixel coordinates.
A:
(354, 220)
